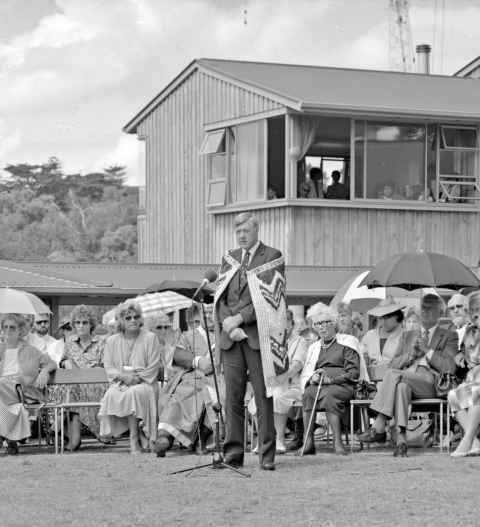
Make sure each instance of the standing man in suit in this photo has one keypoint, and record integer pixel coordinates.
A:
(420, 359)
(252, 336)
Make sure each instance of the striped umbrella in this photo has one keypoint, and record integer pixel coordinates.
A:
(154, 303)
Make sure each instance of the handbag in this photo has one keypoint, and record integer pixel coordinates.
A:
(365, 390)
(444, 383)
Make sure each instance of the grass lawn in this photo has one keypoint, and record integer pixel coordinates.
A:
(109, 487)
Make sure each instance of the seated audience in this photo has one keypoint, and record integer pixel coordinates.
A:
(465, 400)
(64, 330)
(380, 344)
(83, 350)
(339, 367)
(316, 175)
(161, 325)
(190, 390)
(307, 189)
(388, 192)
(39, 338)
(132, 359)
(271, 193)
(421, 357)
(22, 366)
(457, 310)
(336, 190)
(412, 320)
(289, 393)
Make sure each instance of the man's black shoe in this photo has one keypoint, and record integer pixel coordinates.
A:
(234, 462)
(267, 466)
(294, 444)
(372, 436)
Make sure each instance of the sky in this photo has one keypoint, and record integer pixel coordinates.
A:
(74, 72)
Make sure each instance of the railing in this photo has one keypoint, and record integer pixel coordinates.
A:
(459, 188)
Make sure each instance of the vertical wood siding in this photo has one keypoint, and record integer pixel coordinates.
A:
(178, 228)
(274, 230)
(358, 237)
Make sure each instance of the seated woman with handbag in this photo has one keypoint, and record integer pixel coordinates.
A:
(465, 399)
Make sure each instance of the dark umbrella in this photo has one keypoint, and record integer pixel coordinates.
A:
(421, 269)
(183, 287)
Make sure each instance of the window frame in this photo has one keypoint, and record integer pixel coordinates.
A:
(453, 127)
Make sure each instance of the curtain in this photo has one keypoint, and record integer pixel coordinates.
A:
(249, 178)
(304, 130)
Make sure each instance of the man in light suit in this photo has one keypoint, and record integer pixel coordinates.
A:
(240, 348)
(420, 359)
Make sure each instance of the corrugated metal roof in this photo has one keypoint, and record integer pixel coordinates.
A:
(359, 90)
(340, 89)
(131, 279)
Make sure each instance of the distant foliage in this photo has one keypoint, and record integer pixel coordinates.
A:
(47, 214)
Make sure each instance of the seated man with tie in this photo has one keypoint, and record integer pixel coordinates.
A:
(421, 357)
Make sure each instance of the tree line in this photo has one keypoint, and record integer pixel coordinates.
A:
(47, 214)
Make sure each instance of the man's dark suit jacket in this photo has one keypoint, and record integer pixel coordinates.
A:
(235, 300)
(444, 343)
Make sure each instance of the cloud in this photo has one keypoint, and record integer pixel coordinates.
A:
(70, 83)
(9, 140)
(127, 152)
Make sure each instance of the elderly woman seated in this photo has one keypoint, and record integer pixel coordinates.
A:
(189, 393)
(328, 377)
(132, 361)
(24, 368)
(161, 325)
(465, 400)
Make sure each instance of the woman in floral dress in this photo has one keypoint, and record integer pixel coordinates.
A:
(83, 350)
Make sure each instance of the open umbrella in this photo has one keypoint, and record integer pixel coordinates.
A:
(417, 270)
(154, 303)
(183, 287)
(361, 299)
(16, 301)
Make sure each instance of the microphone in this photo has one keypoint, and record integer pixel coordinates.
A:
(209, 277)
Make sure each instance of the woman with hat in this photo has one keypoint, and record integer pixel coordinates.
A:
(379, 345)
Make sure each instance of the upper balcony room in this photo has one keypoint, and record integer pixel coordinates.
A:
(342, 166)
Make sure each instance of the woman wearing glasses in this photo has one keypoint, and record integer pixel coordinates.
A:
(161, 325)
(21, 366)
(189, 391)
(132, 359)
(335, 368)
(83, 350)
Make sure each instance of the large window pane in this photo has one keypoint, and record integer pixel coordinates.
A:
(248, 181)
(276, 157)
(395, 161)
(360, 160)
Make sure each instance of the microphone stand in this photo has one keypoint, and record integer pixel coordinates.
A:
(218, 461)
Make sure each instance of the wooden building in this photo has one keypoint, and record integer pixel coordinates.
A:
(227, 136)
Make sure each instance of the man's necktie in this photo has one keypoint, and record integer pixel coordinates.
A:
(243, 270)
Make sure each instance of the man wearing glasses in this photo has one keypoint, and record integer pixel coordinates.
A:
(39, 338)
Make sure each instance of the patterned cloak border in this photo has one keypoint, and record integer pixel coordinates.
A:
(267, 288)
